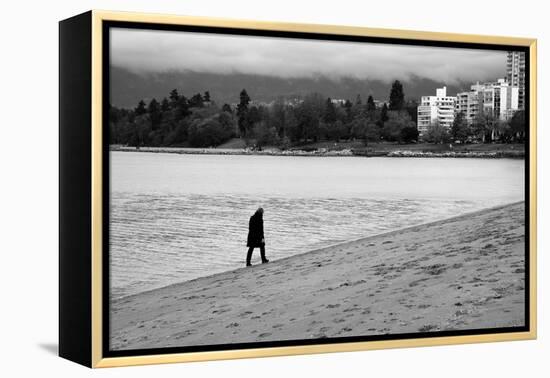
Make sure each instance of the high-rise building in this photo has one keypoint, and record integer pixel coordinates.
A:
(497, 98)
(515, 73)
(438, 109)
(468, 103)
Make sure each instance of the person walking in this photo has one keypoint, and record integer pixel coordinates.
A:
(256, 236)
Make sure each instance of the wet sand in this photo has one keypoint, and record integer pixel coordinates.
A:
(462, 273)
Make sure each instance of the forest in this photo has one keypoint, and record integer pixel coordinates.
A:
(198, 121)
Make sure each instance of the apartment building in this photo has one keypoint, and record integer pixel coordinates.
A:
(436, 109)
(515, 74)
(498, 98)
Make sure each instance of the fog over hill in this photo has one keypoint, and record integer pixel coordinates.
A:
(148, 64)
(128, 88)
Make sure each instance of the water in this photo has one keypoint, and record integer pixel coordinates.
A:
(178, 217)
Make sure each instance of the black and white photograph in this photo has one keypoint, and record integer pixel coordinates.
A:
(289, 188)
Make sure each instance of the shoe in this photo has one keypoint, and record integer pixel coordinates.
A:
(248, 264)
(265, 261)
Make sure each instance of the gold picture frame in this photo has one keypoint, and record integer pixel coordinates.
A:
(89, 329)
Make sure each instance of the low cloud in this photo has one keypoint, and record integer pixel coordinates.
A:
(157, 51)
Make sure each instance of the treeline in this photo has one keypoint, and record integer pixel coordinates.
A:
(200, 122)
(485, 127)
(174, 121)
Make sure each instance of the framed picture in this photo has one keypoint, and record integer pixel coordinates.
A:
(234, 189)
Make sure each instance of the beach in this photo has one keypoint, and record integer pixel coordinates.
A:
(461, 273)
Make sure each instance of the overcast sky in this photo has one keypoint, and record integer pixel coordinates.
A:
(146, 50)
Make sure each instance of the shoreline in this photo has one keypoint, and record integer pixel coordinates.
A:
(325, 153)
(353, 274)
(336, 245)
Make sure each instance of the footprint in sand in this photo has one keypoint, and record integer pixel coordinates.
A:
(183, 334)
(427, 328)
(354, 308)
(265, 334)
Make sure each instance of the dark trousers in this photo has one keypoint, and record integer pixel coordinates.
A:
(249, 254)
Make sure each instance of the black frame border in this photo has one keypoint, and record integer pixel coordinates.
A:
(105, 90)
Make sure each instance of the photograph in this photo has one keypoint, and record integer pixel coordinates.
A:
(276, 189)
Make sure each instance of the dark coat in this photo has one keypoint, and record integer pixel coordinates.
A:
(255, 231)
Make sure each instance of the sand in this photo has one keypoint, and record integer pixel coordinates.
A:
(462, 273)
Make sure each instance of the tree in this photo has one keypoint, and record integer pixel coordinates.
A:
(358, 100)
(120, 127)
(517, 125)
(329, 115)
(397, 121)
(181, 108)
(364, 128)
(174, 97)
(141, 131)
(308, 114)
(397, 97)
(483, 125)
(176, 133)
(113, 114)
(255, 115)
(164, 105)
(277, 116)
(227, 108)
(242, 113)
(437, 133)
(371, 106)
(358, 125)
(206, 96)
(291, 127)
(140, 109)
(409, 134)
(336, 130)
(348, 108)
(460, 131)
(155, 113)
(383, 116)
(371, 132)
(412, 108)
(265, 135)
(502, 131)
(208, 132)
(228, 124)
(196, 101)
